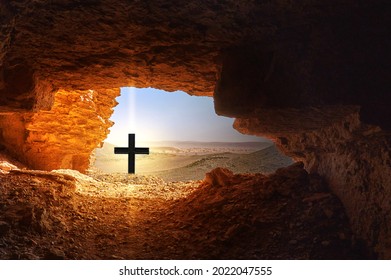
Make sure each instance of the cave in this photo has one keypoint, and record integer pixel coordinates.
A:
(311, 76)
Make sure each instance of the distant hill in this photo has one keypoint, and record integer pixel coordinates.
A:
(193, 159)
(190, 147)
(197, 144)
(263, 161)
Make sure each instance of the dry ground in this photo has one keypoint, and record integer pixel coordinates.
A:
(67, 215)
(174, 164)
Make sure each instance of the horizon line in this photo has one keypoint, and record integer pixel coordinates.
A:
(202, 141)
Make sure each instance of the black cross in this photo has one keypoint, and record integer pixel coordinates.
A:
(131, 151)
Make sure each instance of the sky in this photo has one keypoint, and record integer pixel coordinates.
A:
(156, 115)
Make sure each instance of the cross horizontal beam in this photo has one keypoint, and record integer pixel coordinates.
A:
(144, 151)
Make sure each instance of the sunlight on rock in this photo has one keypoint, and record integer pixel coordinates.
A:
(7, 164)
(77, 120)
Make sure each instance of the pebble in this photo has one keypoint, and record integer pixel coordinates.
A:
(55, 254)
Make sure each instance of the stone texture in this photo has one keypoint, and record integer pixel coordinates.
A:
(255, 210)
(312, 75)
(64, 136)
(4, 228)
(354, 158)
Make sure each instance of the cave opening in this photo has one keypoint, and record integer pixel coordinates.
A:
(186, 137)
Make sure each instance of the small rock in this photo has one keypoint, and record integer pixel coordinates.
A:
(218, 177)
(31, 241)
(325, 243)
(232, 230)
(54, 254)
(116, 257)
(35, 182)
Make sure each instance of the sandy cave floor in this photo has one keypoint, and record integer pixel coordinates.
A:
(68, 215)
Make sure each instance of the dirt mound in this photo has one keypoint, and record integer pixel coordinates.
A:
(287, 215)
(33, 205)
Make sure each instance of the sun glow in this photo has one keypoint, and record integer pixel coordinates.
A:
(156, 115)
(125, 121)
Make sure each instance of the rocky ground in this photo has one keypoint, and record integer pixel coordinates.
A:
(67, 215)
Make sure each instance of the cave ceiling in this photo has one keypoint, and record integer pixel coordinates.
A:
(272, 54)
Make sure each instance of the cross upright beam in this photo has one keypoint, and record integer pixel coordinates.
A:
(131, 151)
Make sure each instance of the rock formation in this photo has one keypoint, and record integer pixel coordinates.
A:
(64, 214)
(313, 76)
(63, 136)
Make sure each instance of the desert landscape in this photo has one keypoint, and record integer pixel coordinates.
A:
(183, 161)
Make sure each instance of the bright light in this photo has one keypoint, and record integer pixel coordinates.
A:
(156, 115)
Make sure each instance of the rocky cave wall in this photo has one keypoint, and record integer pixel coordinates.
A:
(62, 137)
(353, 157)
(313, 76)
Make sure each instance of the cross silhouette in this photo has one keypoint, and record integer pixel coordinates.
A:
(131, 151)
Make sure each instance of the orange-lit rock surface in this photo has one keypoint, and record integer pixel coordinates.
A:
(64, 136)
(313, 76)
